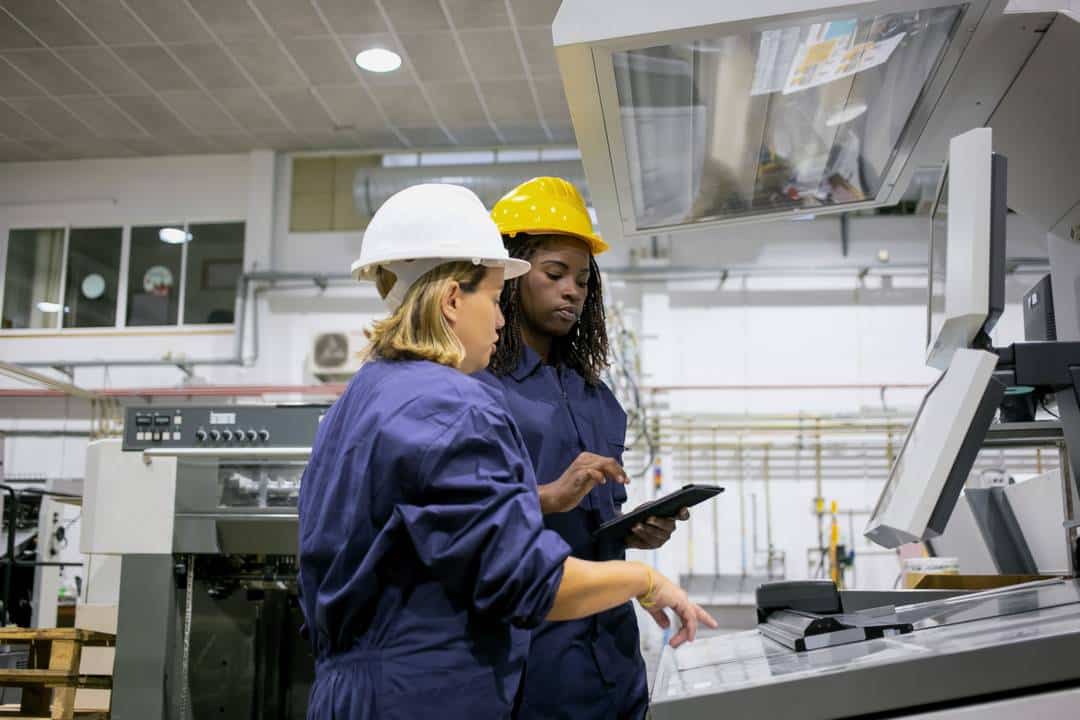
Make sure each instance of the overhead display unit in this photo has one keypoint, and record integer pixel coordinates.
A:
(714, 113)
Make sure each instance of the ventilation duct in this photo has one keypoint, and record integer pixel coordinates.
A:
(371, 187)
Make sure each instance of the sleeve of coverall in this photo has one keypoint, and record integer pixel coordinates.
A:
(477, 523)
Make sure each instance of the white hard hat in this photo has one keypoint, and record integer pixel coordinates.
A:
(424, 226)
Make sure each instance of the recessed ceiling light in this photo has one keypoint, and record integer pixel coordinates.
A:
(379, 60)
(49, 307)
(174, 236)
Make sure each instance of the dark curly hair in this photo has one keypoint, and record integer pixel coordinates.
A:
(584, 348)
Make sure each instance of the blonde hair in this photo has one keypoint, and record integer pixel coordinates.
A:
(418, 330)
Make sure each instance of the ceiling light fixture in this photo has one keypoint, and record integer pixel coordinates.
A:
(174, 236)
(378, 60)
(49, 307)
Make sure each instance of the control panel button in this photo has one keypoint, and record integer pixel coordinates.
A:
(228, 435)
(264, 435)
(252, 436)
(215, 435)
(200, 435)
(160, 420)
(143, 420)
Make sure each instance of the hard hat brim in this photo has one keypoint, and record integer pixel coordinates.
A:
(595, 244)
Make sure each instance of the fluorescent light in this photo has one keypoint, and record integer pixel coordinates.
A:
(378, 60)
(49, 307)
(174, 236)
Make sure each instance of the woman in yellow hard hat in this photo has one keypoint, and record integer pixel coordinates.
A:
(548, 362)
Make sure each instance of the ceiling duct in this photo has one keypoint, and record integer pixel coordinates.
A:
(372, 187)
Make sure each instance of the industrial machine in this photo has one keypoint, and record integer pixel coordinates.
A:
(200, 503)
(719, 113)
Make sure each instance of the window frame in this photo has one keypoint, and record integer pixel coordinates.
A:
(120, 326)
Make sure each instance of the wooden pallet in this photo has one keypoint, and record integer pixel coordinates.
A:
(49, 683)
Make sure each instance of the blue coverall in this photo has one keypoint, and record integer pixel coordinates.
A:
(423, 553)
(590, 668)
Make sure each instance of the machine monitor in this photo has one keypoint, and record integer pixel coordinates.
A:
(967, 249)
(939, 451)
(714, 113)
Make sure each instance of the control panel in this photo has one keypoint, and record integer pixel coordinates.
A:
(221, 426)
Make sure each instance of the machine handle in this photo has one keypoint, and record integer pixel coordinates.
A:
(276, 453)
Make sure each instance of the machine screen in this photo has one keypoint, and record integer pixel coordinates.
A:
(781, 118)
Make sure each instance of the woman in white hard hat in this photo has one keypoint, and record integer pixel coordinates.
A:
(423, 555)
(548, 363)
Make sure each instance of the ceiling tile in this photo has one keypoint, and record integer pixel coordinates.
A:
(405, 106)
(435, 56)
(510, 101)
(352, 106)
(534, 12)
(211, 65)
(149, 112)
(476, 136)
(539, 50)
(376, 140)
(290, 18)
(192, 145)
(493, 54)
(230, 19)
(474, 14)
(553, 100)
(267, 64)
(156, 67)
(250, 109)
(50, 115)
(45, 69)
(102, 116)
(101, 148)
(427, 137)
(13, 36)
(103, 71)
(148, 146)
(563, 134)
(171, 21)
(523, 134)
(303, 111)
(457, 104)
(402, 76)
(322, 60)
(278, 141)
(50, 149)
(17, 126)
(351, 17)
(14, 84)
(110, 21)
(200, 112)
(49, 22)
(416, 15)
(233, 143)
(11, 151)
(340, 140)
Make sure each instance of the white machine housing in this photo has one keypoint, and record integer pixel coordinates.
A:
(919, 475)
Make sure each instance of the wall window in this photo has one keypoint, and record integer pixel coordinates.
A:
(32, 278)
(157, 275)
(93, 277)
(215, 259)
(154, 274)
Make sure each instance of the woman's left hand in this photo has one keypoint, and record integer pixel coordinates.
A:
(654, 532)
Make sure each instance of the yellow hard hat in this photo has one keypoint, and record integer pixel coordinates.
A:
(546, 205)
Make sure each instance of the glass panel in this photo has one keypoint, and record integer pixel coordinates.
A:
(259, 485)
(153, 277)
(32, 278)
(93, 273)
(215, 262)
(792, 118)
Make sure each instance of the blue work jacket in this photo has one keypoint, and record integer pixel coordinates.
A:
(590, 668)
(423, 553)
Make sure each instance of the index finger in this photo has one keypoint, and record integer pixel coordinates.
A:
(613, 470)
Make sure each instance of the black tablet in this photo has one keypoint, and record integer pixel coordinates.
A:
(666, 506)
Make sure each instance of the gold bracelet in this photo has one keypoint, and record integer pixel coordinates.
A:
(648, 601)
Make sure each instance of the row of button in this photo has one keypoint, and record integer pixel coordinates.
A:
(229, 435)
(156, 436)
